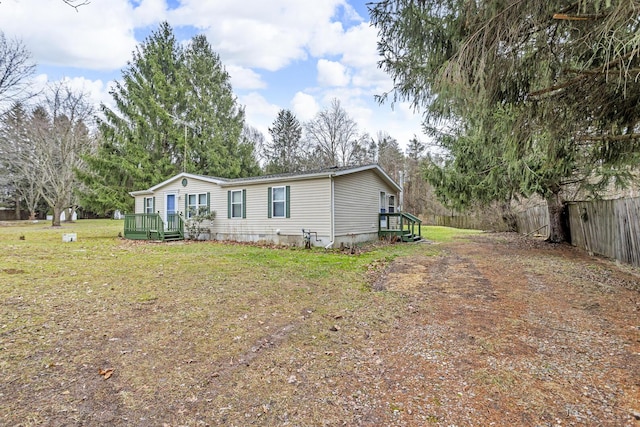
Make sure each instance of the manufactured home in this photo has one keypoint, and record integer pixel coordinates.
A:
(327, 207)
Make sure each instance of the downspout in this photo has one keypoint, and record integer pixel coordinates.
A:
(401, 195)
(333, 215)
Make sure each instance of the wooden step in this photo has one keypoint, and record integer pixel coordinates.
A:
(170, 236)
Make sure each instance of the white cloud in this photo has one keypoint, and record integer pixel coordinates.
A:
(255, 33)
(96, 36)
(245, 78)
(96, 91)
(327, 39)
(149, 12)
(260, 113)
(360, 46)
(332, 73)
(304, 106)
(285, 50)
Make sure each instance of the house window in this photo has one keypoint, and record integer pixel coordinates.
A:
(278, 202)
(197, 204)
(278, 199)
(237, 200)
(149, 205)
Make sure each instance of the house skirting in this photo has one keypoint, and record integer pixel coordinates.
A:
(349, 240)
(277, 239)
(295, 239)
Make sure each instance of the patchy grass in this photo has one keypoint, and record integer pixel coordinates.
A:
(445, 234)
(492, 331)
(178, 323)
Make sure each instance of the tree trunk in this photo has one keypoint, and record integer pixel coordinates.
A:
(69, 214)
(508, 216)
(57, 211)
(557, 233)
(18, 207)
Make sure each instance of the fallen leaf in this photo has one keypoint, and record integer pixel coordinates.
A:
(106, 373)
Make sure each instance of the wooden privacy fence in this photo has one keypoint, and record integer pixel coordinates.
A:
(534, 220)
(605, 227)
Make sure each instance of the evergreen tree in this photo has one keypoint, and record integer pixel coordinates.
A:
(18, 160)
(251, 142)
(417, 193)
(174, 111)
(139, 138)
(526, 98)
(212, 111)
(389, 156)
(284, 154)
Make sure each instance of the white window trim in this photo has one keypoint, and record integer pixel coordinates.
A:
(146, 207)
(236, 204)
(197, 206)
(283, 201)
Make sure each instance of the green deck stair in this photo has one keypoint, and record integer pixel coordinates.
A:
(403, 225)
(152, 227)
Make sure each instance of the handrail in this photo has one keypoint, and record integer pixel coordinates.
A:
(411, 217)
(405, 220)
(142, 225)
(181, 226)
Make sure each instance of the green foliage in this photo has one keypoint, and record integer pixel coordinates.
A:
(284, 154)
(524, 98)
(195, 225)
(211, 109)
(174, 111)
(388, 154)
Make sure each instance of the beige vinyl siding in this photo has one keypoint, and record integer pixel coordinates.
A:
(354, 197)
(357, 202)
(194, 186)
(310, 208)
(139, 206)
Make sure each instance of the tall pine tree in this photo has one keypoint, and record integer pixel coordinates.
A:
(213, 113)
(174, 111)
(526, 98)
(284, 153)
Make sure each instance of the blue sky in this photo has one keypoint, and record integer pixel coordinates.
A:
(289, 54)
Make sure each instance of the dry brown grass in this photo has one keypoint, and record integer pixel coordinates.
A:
(491, 330)
(182, 325)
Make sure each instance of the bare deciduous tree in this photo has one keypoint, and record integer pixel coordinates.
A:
(59, 130)
(16, 69)
(333, 136)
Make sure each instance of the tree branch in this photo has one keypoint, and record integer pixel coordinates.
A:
(625, 137)
(567, 17)
(76, 3)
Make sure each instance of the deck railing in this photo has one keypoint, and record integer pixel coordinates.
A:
(401, 224)
(151, 226)
(175, 223)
